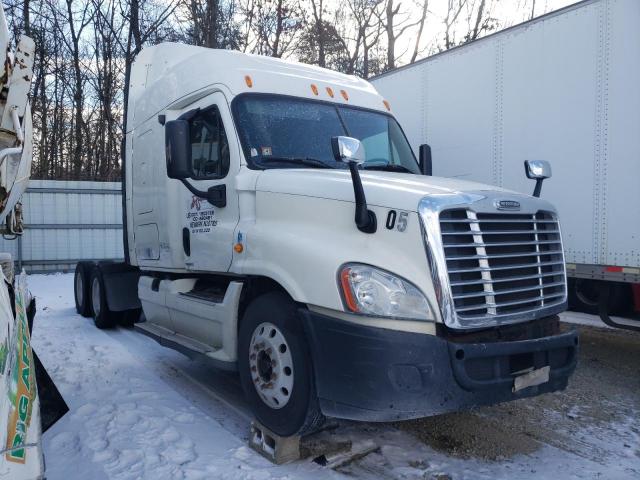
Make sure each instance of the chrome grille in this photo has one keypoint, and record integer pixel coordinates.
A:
(502, 265)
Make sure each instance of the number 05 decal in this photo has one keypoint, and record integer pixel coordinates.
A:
(397, 220)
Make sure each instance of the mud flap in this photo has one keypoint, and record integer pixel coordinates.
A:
(52, 405)
(603, 311)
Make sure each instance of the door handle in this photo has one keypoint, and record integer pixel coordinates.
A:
(217, 195)
(186, 241)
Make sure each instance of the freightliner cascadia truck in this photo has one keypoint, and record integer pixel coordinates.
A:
(564, 88)
(278, 223)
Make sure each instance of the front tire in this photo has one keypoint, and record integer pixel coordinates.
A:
(275, 367)
(102, 316)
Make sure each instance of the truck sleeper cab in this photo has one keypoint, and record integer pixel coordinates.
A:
(278, 224)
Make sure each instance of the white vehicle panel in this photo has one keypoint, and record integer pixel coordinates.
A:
(622, 155)
(561, 88)
(467, 119)
(547, 75)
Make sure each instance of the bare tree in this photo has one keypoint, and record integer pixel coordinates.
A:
(359, 34)
(423, 17)
(76, 21)
(454, 9)
(319, 30)
(320, 42)
(398, 21)
(210, 23)
(275, 25)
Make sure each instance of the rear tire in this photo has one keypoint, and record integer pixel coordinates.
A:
(102, 316)
(284, 366)
(82, 288)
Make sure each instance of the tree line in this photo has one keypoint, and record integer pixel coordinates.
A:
(85, 49)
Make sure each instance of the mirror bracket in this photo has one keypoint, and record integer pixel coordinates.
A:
(351, 151)
(426, 164)
(365, 219)
(216, 195)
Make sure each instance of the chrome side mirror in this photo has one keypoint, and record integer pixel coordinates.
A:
(537, 170)
(348, 150)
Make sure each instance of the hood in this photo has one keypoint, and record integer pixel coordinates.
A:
(384, 189)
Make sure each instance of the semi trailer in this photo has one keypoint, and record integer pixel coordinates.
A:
(277, 223)
(562, 87)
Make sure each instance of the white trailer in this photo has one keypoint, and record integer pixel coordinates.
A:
(564, 88)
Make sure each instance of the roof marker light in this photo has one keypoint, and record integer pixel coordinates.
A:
(344, 95)
(314, 89)
(386, 104)
(248, 81)
(330, 91)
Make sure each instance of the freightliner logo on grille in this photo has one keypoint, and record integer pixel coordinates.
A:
(507, 205)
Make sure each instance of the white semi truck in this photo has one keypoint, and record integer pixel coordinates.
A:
(563, 87)
(277, 223)
(29, 401)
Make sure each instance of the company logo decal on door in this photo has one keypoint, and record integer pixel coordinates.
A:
(200, 216)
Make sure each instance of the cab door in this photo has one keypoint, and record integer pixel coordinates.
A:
(207, 230)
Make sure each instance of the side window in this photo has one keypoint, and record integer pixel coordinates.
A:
(209, 145)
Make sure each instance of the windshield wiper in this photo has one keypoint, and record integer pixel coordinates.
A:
(309, 162)
(389, 167)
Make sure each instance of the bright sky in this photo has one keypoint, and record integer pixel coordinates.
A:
(507, 12)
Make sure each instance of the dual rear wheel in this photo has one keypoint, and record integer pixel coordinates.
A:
(90, 295)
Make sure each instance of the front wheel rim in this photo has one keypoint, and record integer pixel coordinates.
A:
(95, 297)
(271, 365)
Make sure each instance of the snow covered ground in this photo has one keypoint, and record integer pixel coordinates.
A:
(139, 410)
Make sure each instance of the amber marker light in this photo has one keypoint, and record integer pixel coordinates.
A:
(346, 290)
(330, 91)
(238, 248)
(386, 104)
(314, 89)
(344, 95)
(248, 81)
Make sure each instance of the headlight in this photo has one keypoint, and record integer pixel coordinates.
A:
(372, 291)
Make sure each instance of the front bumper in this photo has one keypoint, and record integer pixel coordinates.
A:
(373, 374)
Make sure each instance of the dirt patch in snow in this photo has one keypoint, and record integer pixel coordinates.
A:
(467, 435)
(596, 417)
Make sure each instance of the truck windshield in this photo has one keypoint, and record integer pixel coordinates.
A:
(276, 131)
